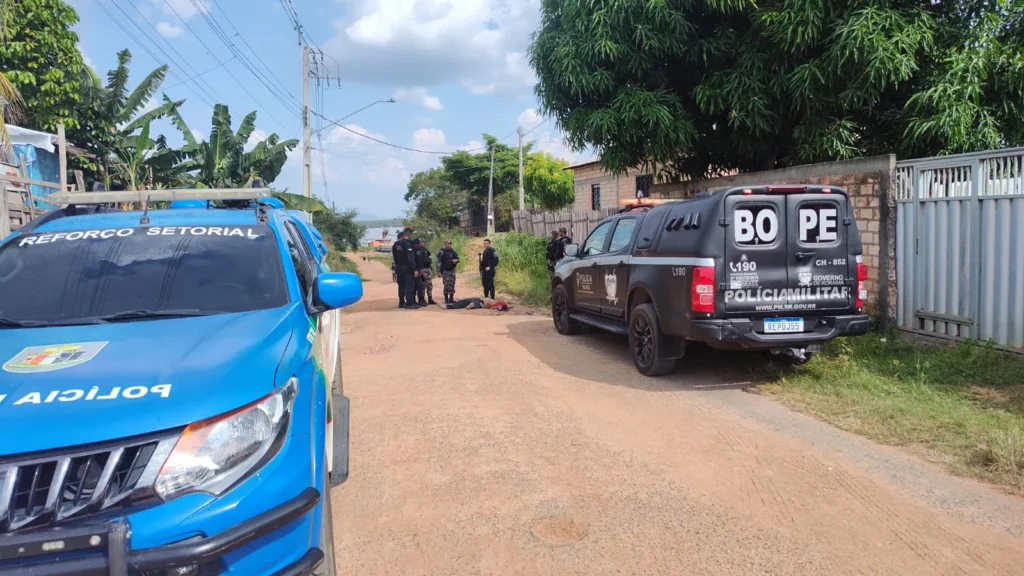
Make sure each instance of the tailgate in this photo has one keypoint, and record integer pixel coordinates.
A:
(786, 253)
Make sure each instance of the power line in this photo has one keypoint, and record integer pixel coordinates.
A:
(173, 49)
(228, 70)
(273, 77)
(211, 21)
(217, 67)
(142, 45)
(368, 137)
(219, 32)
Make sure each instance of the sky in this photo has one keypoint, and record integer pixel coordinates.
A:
(455, 68)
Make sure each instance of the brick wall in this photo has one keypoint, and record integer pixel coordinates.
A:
(868, 182)
(613, 188)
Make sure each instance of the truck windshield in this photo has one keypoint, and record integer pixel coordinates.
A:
(86, 275)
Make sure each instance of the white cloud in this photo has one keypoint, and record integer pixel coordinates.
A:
(420, 95)
(428, 139)
(198, 134)
(479, 43)
(182, 8)
(168, 30)
(529, 119)
(255, 138)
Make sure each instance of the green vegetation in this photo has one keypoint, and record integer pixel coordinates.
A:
(339, 263)
(962, 405)
(440, 196)
(703, 87)
(522, 268)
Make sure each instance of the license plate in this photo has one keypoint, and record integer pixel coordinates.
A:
(783, 325)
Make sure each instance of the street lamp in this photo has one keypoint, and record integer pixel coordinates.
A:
(339, 120)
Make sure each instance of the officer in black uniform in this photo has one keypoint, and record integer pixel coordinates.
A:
(488, 266)
(405, 267)
(552, 251)
(563, 241)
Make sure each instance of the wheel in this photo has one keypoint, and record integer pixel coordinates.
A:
(560, 313)
(327, 567)
(645, 340)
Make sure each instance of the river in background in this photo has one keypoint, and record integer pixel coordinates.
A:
(372, 234)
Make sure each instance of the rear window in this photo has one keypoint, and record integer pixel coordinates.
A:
(64, 276)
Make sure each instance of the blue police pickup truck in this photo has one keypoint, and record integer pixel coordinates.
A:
(170, 392)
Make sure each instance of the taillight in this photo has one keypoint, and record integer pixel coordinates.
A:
(862, 275)
(702, 289)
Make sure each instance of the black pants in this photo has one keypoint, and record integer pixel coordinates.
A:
(488, 281)
(420, 288)
(406, 287)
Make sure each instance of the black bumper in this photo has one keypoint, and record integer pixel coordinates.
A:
(747, 333)
(105, 549)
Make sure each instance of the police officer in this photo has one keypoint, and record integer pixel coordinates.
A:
(447, 260)
(552, 251)
(405, 268)
(488, 266)
(563, 241)
(424, 266)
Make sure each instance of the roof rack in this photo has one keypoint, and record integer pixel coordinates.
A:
(79, 198)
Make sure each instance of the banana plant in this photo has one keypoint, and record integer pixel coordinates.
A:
(222, 161)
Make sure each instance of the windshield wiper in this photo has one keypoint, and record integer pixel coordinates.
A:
(10, 323)
(143, 314)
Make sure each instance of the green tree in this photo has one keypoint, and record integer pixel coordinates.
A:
(547, 182)
(340, 228)
(10, 98)
(438, 202)
(41, 60)
(222, 162)
(698, 87)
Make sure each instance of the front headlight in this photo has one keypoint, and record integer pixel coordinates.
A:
(213, 455)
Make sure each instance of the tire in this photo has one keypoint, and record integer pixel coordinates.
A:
(327, 567)
(560, 312)
(645, 339)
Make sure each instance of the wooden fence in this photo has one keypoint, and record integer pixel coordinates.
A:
(579, 223)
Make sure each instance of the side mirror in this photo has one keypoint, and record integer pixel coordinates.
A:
(572, 250)
(337, 290)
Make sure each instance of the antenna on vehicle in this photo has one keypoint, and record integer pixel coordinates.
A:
(145, 213)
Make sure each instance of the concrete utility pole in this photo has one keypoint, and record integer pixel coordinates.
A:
(522, 194)
(490, 197)
(307, 180)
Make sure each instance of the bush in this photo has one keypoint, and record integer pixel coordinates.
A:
(523, 267)
(460, 243)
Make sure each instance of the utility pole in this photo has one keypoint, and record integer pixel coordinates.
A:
(490, 197)
(307, 180)
(522, 194)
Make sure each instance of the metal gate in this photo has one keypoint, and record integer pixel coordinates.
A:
(960, 246)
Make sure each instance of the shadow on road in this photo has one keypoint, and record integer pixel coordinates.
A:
(385, 305)
(603, 357)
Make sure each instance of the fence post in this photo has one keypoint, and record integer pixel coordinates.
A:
(975, 254)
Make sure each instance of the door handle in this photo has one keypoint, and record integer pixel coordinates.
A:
(802, 255)
(621, 263)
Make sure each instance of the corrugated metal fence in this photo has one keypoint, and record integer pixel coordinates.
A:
(960, 246)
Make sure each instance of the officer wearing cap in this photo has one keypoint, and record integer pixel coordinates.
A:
(563, 241)
(552, 251)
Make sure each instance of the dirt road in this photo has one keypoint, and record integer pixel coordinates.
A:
(485, 443)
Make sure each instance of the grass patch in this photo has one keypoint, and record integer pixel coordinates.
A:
(522, 268)
(337, 262)
(963, 405)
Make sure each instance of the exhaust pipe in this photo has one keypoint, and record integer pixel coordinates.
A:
(799, 355)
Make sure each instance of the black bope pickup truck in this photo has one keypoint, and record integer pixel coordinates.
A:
(770, 268)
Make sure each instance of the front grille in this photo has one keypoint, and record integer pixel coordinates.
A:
(57, 487)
